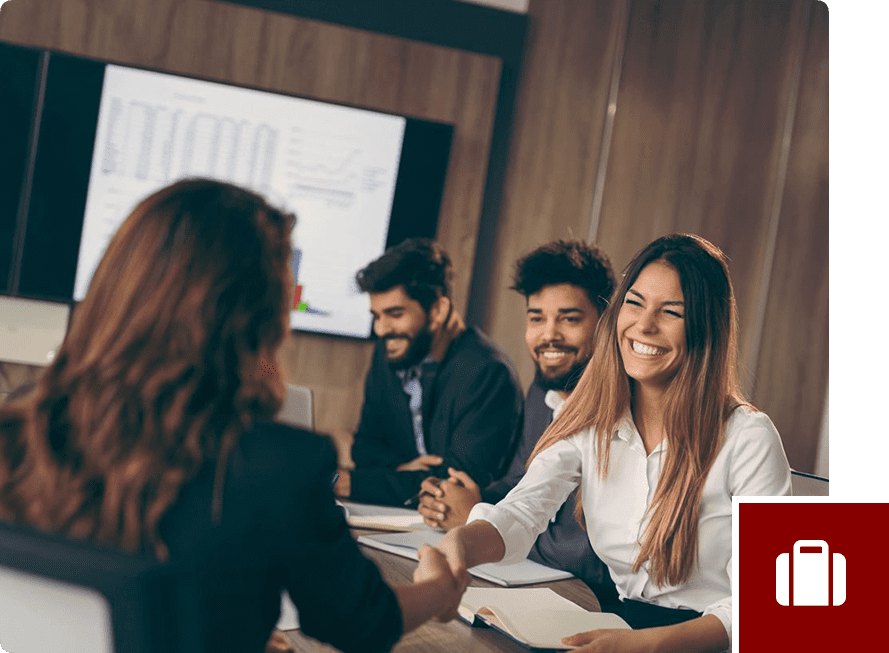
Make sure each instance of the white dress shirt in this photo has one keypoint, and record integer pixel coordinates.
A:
(751, 462)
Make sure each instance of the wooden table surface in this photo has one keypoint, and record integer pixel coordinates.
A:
(455, 636)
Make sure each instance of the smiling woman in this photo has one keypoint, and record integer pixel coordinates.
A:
(659, 438)
(651, 326)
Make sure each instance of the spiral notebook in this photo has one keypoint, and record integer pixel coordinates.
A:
(526, 572)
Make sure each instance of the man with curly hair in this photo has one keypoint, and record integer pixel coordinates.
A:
(566, 284)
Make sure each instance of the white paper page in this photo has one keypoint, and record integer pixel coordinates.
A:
(542, 598)
(539, 616)
(408, 541)
(545, 629)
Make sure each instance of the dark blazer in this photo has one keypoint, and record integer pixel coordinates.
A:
(564, 544)
(472, 410)
(280, 528)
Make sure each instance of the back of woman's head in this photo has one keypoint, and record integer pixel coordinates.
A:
(160, 370)
(196, 277)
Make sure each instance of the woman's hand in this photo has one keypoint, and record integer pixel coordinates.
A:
(451, 546)
(610, 640)
(701, 635)
(278, 643)
(433, 567)
(420, 463)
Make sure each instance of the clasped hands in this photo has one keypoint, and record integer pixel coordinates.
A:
(445, 503)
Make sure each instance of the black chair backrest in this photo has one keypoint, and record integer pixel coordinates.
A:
(809, 485)
(146, 598)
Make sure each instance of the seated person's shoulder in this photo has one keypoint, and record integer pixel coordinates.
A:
(285, 453)
(474, 350)
(746, 424)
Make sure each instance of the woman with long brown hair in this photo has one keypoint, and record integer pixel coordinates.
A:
(151, 432)
(659, 438)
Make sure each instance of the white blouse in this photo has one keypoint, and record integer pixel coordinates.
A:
(751, 463)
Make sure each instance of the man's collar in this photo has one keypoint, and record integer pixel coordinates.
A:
(554, 400)
(416, 371)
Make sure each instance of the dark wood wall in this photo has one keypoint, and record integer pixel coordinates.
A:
(633, 120)
(645, 118)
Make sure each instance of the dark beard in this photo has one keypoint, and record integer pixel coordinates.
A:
(417, 349)
(564, 383)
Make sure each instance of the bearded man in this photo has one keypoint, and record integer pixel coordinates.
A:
(438, 394)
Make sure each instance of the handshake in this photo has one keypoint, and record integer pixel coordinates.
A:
(445, 504)
(448, 580)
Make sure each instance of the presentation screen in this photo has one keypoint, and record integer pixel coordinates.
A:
(335, 167)
(106, 136)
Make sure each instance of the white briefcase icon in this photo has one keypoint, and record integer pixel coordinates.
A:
(811, 575)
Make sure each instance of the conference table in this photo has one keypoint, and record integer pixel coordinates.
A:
(453, 636)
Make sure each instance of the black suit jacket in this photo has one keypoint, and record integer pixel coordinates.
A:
(471, 417)
(280, 528)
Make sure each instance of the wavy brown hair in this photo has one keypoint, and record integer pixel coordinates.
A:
(159, 373)
(699, 399)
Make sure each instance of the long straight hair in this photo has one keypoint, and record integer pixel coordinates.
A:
(698, 401)
(159, 372)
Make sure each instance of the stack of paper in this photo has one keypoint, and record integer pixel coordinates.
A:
(381, 518)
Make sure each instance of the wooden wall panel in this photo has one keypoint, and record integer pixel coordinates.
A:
(791, 381)
(557, 135)
(715, 131)
(701, 142)
(704, 97)
(281, 53)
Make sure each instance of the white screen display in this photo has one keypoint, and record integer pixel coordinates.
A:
(334, 166)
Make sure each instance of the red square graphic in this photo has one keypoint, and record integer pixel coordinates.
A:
(812, 576)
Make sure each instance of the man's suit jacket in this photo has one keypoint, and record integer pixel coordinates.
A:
(472, 412)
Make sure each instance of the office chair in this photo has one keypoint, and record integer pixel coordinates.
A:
(57, 596)
(297, 407)
(296, 411)
(808, 485)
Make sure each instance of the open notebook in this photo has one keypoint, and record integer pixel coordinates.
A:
(526, 572)
(381, 518)
(536, 617)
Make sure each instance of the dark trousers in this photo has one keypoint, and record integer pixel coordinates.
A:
(648, 615)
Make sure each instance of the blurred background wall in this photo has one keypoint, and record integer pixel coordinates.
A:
(632, 119)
